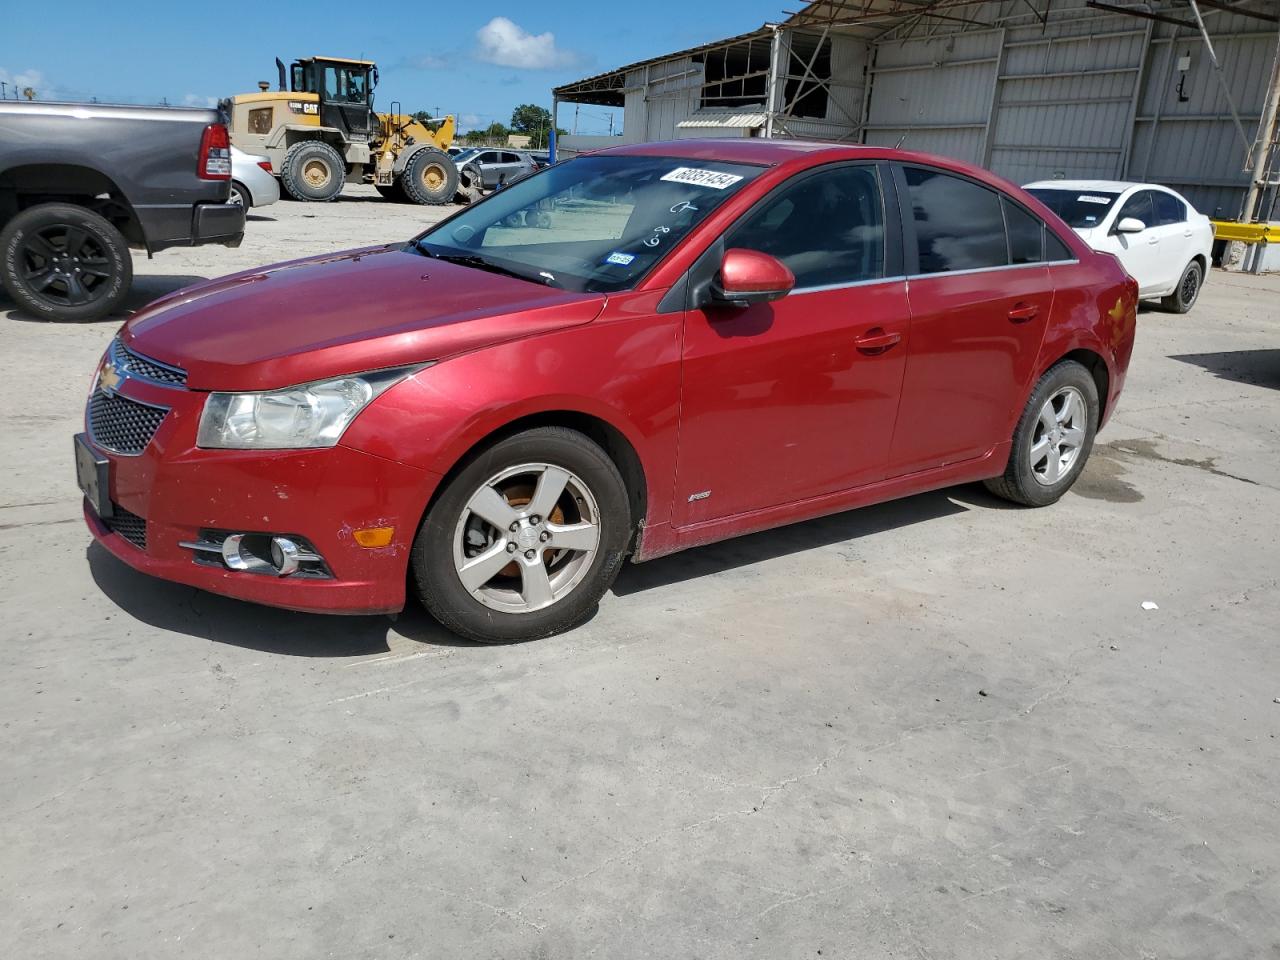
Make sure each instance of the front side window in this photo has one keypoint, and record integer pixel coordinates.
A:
(1139, 208)
(1169, 209)
(591, 223)
(828, 227)
(958, 223)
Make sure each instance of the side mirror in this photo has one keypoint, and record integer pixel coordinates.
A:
(748, 277)
(1130, 225)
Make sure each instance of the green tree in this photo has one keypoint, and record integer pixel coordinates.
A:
(421, 116)
(532, 121)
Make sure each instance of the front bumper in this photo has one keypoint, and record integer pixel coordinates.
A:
(181, 492)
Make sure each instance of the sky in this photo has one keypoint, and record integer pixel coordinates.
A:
(474, 60)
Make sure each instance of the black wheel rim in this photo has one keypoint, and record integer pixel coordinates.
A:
(1189, 286)
(65, 265)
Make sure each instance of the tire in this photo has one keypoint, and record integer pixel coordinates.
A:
(1187, 292)
(63, 262)
(508, 482)
(429, 178)
(1033, 477)
(312, 170)
(240, 195)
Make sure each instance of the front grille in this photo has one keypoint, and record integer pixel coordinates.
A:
(129, 525)
(122, 425)
(135, 364)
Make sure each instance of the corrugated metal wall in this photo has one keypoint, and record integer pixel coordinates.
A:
(1090, 94)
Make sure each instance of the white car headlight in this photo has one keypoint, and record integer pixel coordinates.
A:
(310, 415)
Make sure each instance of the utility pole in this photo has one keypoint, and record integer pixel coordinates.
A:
(576, 107)
(1263, 144)
(611, 124)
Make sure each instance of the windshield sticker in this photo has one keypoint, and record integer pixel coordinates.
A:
(620, 258)
(701, 178)
(1089, 198)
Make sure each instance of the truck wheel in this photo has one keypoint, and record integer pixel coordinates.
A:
(63, 262)
(430, 177)
(312, 170)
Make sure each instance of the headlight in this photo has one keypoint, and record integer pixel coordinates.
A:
(311, 415)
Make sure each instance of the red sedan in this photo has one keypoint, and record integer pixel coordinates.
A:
(634, 352)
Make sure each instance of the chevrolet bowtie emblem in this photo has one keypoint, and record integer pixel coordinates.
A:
(109, 377)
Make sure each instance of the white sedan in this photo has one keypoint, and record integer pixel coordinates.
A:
(1159, 238)
(252, 182)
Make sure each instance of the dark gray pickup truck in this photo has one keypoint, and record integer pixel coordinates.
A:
(82, 183)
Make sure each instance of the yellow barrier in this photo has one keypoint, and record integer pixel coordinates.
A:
(1248, 232)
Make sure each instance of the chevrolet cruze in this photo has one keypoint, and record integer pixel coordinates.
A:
(631, 353)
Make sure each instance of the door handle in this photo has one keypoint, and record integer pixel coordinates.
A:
(1153, 240)
(1023, 312)
(875, 341)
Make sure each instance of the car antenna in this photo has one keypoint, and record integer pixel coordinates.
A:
(901, 139)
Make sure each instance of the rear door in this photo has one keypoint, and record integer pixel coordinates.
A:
(1177, 239)
(980, 297)
(794, 399)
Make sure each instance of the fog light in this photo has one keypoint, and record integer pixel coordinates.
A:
(284, 556)
(374, 536)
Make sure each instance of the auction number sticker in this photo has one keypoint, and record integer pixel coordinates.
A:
(621, 259)
(1089, 198)
(701, 178)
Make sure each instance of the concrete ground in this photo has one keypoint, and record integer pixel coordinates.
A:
(938, 728)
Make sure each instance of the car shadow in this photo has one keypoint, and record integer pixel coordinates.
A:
(259, 218)
(195, 613)
(1260, 368)
(142, 291)
(798, 537)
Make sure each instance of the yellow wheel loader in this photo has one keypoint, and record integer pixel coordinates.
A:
(320, 131)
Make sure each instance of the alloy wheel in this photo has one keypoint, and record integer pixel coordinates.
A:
(526, 538)
(1059, 436)
(65, 264)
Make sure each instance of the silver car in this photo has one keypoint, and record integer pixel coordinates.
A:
(481, 169)
(252, 182)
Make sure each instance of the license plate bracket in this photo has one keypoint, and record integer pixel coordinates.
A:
(93, 475)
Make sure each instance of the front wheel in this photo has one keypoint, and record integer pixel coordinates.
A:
(525, 540)
(1053, 438)
(1184, 295)
(430, 177)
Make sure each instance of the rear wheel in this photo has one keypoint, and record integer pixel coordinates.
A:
(312, 170)
(240, 195)
(430, 177)
(1053, 438)
(525, 540)
(63, 262)
(1184, 297)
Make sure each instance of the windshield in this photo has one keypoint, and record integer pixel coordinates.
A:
(1079, 208)
(466, 154)
(592, 223)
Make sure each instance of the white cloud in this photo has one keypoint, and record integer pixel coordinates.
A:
(27, 78)
(195, 100)
(507, 44)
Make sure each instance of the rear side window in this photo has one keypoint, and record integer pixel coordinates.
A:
(828, 227)
(1169, 209)
(1139, 208)
(958, 224)
(1026, 234)
(1055, 249)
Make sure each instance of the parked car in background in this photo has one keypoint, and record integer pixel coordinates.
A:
(81, 183)
(637, 351)
(253, 183)
(1159, 237)
(481, 169)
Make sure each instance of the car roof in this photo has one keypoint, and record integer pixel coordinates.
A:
(1110, 186)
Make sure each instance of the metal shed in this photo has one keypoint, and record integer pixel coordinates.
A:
(1170, 91)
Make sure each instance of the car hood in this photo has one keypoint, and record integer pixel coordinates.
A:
(343, 313)
(1086, 233)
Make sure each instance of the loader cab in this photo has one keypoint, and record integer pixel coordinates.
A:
(345, 90)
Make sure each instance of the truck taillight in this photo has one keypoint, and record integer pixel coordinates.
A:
(215, 153)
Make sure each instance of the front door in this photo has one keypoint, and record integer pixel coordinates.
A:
(344, 100)
(1139, 253)
(980, 300)
(794, 399)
